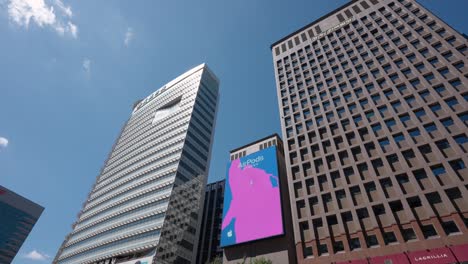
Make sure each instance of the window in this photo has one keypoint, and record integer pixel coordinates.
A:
(430, 127)
(457, 165)
(322, 249)
(398, 138)
(444, 72)
(414, 132)
(357, 119)
(451, 102)
(382, 110)
(439, 89)
(376, 127)
(438, 170)
(435, 107)
(384, 142)
(419, 113)
(364, 102)
(450, 227)
(459, 65)
(408, 234)
(447, 122)
(402, 88)
(406, 71)
(455, 83)
(415, 82)
(375, 98)
(389, 237)
(319, 121)
(428, 231)
(463, 117)
(424, 95)
(371, 241)
(433, 61)
(390, 123)
(388, 93)
(338, 246)
(405, 118)
(443, 144)
(461, 139)
(354, 243)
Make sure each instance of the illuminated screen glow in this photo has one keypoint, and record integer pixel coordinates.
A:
(252, 201)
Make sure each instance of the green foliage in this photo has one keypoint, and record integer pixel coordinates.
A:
(257, 261)
(262, 261)
(217, 260)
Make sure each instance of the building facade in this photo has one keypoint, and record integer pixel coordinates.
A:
(278, 248)
(374, 114)
(210, 232)
(145, 202)
(18, 217)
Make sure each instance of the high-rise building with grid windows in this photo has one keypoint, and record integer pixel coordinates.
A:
(210, 233)
(145, 204)
(374, 114)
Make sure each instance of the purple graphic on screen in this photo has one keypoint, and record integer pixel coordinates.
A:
(255, 203)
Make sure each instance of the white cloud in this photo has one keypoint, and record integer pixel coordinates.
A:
(65, 9)
(3, 142)
(128, 36)
(73, 29)
(36, 255)
(87, 66)
(25, 12)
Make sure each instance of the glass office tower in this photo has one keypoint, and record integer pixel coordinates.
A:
(145, 203)
(210, 233)
(374, 113)
(18, 216)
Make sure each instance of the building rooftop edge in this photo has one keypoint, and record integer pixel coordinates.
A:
(23, 198)
(312, 23)
(255, 142)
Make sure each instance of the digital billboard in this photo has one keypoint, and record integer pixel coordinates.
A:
(252, 201)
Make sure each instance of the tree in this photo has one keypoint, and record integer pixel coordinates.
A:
(217, 260)
(262, 261)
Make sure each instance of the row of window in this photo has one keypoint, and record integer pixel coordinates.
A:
(397, 212)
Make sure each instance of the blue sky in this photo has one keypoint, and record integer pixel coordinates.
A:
(71, 70)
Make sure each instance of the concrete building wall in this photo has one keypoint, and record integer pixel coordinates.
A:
(373, 105)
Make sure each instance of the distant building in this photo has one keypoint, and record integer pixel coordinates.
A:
(144, 205)
(256, 221)
(210, 232)
(18, 216)
(374, 115)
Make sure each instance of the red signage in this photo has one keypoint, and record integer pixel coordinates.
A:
(461, 252)
(433, 256)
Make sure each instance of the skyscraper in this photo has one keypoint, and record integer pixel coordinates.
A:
(18, 216)
(374, 114)
(210, 232)
(145, 202)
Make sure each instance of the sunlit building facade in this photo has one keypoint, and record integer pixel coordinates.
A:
(374, 114)
(145, 203)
